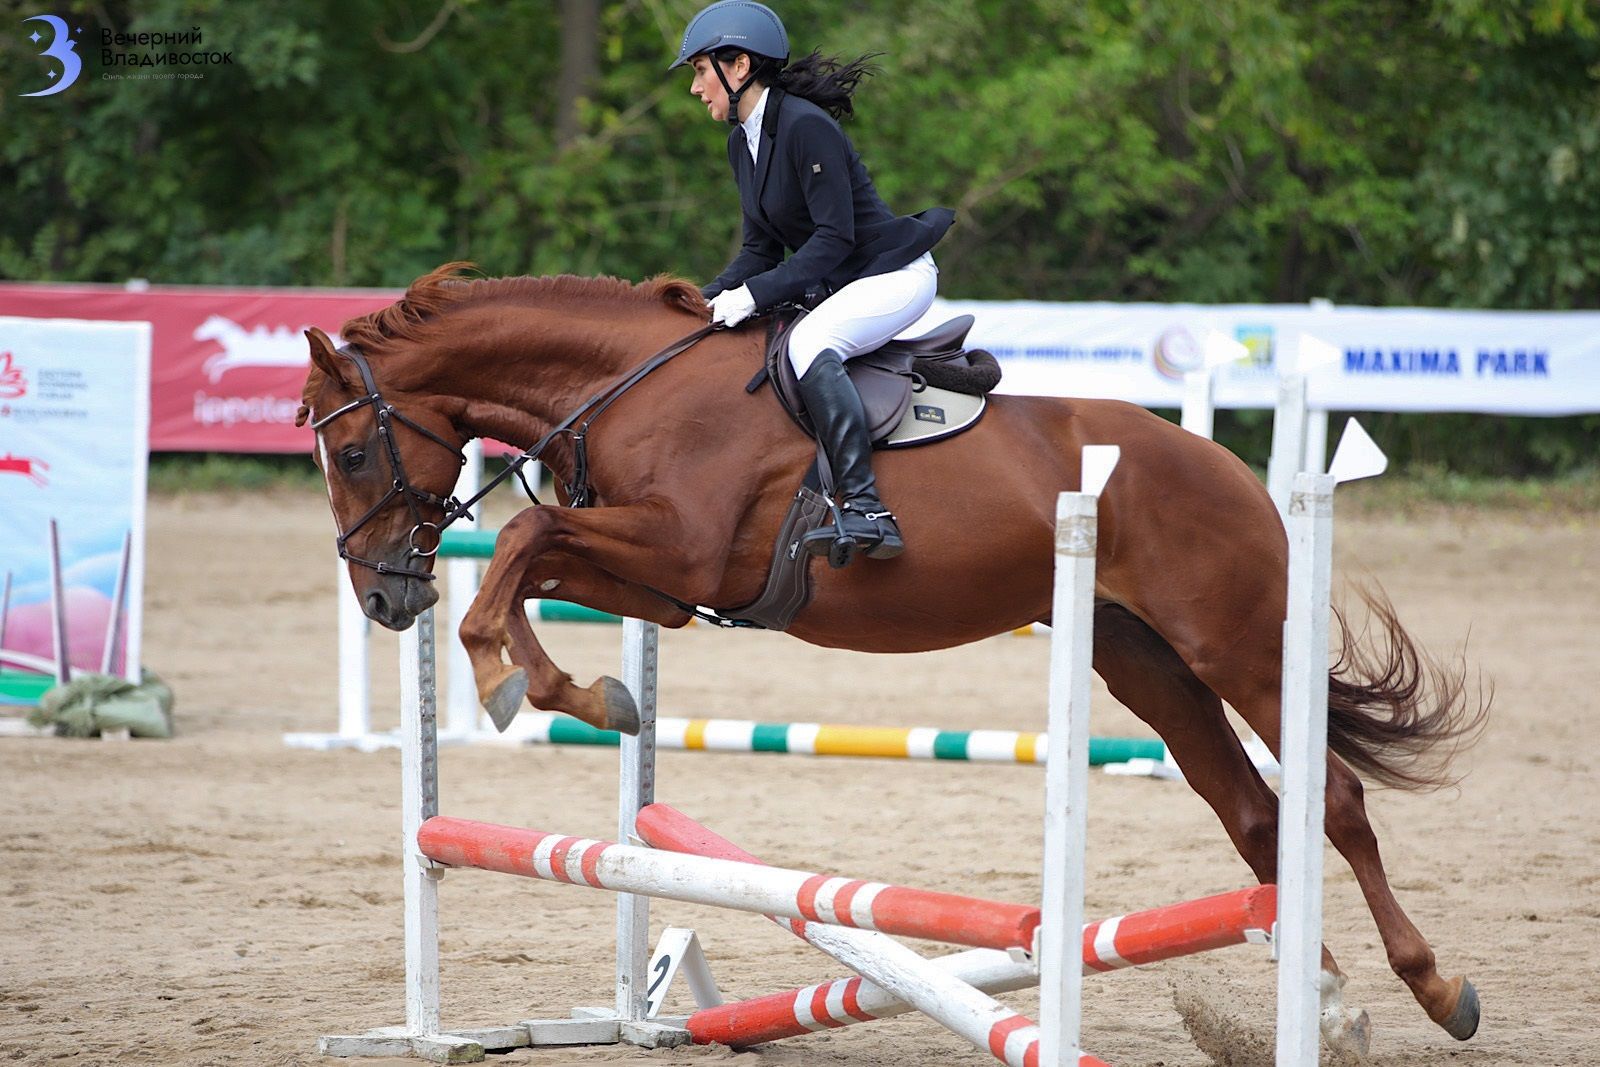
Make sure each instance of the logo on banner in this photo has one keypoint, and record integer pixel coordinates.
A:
(260, 347)
(30, 467)
(13, 386)
(60, 49)
(1258, 341)
(1177, 353)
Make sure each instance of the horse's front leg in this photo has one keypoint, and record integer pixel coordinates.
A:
(539, 552)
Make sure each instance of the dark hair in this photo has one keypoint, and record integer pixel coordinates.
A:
(824, 80)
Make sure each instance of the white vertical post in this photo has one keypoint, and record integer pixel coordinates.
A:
(1316, 460)
(58, 610)
(355, 690)
(637, 788)
(1199, 404)
(462, 718)
(119, 603)
(1288, 440)
(1066, 792)
(5, 608)
(419, 801)
(1305, 768)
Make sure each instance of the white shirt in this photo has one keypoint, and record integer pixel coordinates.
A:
(752, 125)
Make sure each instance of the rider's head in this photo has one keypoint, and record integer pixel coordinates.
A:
(733, 45)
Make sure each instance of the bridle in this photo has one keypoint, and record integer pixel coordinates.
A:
(387, 414)
(580, 493)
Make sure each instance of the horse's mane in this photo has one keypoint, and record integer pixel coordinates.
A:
(412, 317)
(445, 288)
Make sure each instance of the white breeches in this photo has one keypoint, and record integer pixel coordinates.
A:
(865, 313)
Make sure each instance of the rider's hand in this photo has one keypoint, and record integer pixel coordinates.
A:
(732, 307)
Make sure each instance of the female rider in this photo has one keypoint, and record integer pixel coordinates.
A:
(803, 188)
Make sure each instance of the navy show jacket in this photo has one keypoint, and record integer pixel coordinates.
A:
(810, 193)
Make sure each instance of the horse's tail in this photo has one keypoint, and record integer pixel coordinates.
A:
(1395, 714)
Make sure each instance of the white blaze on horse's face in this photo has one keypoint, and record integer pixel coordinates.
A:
(327, 478)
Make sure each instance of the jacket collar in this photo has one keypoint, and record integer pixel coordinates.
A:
(772, 101)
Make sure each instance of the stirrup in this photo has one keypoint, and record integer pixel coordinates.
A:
(840, 544)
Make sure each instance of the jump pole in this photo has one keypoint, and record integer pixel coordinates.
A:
(1111, 944)
(825, 739)
(893, 969)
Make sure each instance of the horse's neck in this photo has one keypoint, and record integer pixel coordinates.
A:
(524, 375)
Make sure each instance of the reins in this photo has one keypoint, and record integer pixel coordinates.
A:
(580, 493)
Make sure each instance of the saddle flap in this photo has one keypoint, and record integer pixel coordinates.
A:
(883, 377)
(944, 341)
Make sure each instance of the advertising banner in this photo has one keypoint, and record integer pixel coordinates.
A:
(74, 427)
(228, 363)
(1384, 359)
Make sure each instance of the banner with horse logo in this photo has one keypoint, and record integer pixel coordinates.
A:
(74, 444)
(229, 362)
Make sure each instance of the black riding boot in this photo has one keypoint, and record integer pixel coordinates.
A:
(865, 524)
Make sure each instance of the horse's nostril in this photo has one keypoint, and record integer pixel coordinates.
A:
(376, 603)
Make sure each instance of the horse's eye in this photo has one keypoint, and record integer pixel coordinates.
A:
(353, 459)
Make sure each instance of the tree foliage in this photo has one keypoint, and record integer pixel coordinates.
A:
(1439, 153)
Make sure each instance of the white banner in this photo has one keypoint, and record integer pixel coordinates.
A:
(74, 433)
(1388, 359)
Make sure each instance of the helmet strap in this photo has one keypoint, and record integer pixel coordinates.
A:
(733, 94)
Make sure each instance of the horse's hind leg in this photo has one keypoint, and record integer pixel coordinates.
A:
(1145, 674)
(1452, 1004)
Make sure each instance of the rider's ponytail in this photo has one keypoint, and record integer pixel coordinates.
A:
(824, 80)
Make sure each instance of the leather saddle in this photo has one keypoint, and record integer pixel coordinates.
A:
(891, 377)
(915, 391)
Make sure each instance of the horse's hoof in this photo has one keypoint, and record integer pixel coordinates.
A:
(622, 714)
(1348, 1031)
(1463, 1022)
(506, 700)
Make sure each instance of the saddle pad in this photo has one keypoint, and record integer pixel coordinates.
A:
(934, 413)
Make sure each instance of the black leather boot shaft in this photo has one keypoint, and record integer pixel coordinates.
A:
(841, 423)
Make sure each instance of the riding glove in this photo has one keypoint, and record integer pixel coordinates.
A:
(732, 307)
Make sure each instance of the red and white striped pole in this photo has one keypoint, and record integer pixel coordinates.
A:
(1121, 941)
(1124, 941)
(722, 883)
(1008, 1035)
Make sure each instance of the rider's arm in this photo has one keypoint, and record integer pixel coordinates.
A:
(761, 252)
(819, 161)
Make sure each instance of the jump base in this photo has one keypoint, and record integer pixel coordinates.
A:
(588, 1026)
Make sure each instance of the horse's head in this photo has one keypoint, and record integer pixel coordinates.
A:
(391, 462)
(214, 327)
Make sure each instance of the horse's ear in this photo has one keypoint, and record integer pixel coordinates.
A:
(323, 356)
(325, 362)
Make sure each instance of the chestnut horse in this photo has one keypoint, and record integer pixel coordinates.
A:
(691, 476)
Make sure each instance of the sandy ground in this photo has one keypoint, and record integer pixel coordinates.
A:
(220, 899)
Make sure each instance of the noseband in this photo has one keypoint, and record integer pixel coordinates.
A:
(400, 486)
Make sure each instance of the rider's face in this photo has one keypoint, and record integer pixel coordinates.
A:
(708, 87)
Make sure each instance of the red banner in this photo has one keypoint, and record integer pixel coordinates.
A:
(227, 364)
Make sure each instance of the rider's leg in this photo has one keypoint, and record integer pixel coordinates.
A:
(858, 318)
